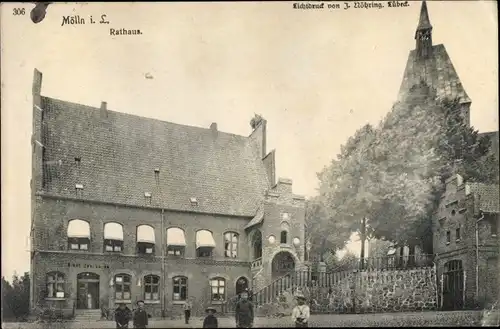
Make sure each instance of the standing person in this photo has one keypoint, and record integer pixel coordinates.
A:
(301, 312)
(210, 320)
(122, 316)
(140, 316)
(244, 311)
(188, 305)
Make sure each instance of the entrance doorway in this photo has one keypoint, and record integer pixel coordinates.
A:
(241, 285)
(283, 263)
(453, 286)
(88, 291)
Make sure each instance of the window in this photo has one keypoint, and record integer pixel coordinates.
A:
(283, 237)
(55, 285)
(78, 235)
(151, 287)
(122, 286)
(113, 237)
(176, 241)
(180, 288)
(494, 226)
(205, 243)
(218, 289)
(231, 244)
(457, 234)
(175, 251)
(448, 237)
(203, 252)
(145, 239)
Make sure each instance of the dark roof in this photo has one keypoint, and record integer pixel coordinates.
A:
(489, 196)
(437, 71)
(119, 154)
(424, 21)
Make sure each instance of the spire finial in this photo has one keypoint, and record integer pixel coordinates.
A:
(424, 22)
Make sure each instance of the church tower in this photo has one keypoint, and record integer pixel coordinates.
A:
(432, 64)
(423, 34)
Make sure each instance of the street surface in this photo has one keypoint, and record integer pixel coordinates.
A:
(423, 319)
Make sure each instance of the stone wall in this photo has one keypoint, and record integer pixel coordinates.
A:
(396, 291)
(365, 292)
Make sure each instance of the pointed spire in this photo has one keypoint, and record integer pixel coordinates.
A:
(424, 23)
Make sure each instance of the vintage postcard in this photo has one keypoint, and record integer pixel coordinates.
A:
(250, 164)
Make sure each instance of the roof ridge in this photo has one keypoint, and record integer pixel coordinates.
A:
(141, 117)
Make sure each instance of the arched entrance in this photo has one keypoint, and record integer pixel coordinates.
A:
(241, 285)
(453, 285)
(283, 263)
(88, 291)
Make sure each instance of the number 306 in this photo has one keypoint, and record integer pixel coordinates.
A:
(18, 11)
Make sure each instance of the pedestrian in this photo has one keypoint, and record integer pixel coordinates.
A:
(301, 312)
(188, 305)
(210, 320)
(140, 316)
(122, 316)
(244, 311)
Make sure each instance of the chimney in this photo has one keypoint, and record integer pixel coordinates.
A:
(104, 110)
(284, 186)
(258, 135)
(37, 83)
(213, 128)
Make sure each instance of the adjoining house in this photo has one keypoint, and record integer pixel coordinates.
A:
(127, 208)
(467, 244)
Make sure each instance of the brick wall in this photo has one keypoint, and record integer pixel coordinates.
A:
(52, 222)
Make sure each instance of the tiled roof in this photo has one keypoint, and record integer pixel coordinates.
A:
(259, 217)
(437, 71)
(120, 152)
(489, 196)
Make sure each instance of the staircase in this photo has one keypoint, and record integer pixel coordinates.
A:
(87, 315)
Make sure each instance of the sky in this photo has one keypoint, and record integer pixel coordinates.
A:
(316, 76)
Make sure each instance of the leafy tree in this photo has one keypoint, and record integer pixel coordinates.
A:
(16, 297)
(325, 234)
(393, 174)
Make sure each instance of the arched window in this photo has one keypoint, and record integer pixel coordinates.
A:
(205, 243)
(145, 239)
(55, 285)
(231, 244)
(78, 234)
(113, 237)
(151, 287)
(122, 286)
(257, 244)
(284, 237)
(176, 241)
(218, 289)
(180, 288)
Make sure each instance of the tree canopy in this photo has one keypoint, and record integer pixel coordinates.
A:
(16, 298)
(393, 174)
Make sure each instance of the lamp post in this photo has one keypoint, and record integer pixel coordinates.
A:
(308, 250)
(363, 238)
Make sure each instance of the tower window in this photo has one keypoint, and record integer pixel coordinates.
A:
(494, 226)
(284, 237)
(457, 234)
(78, 161)
(448, 237)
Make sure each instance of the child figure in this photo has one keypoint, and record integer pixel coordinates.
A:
(301, 312)
(210, 320)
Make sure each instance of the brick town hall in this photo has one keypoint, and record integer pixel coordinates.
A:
(127, 208)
